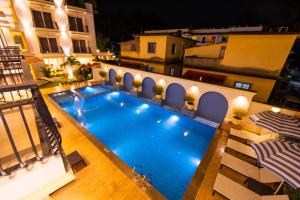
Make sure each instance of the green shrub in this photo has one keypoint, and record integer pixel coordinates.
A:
(103, 74)
(158, 89)
(118, 77)
(189, 98)
(239, 113)
(46, 71)
(137, 83)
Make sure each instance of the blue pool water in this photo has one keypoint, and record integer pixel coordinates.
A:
(167, 145)
(92, 90)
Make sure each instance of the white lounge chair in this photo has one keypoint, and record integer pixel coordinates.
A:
(242, 148)
(262, 175)
(249, 136)
(234, 191)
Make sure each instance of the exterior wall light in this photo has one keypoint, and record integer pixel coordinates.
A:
(275, 109)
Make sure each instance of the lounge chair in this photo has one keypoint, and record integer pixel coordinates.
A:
(234, 191)
(242, 148)
(249, 136)
(259, 174)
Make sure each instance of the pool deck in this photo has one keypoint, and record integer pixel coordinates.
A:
(103, 179)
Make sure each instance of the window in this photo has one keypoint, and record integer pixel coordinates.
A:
(151, 47)
(48, 45)
(79, 46)
(173, 49)
(241, 85)
(76, 24)
(42, 19)
(19, 40)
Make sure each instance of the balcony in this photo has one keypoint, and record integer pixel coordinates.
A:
(50, 26)
(84, 50)
(84, 29)
(52, 50)
(75, 3)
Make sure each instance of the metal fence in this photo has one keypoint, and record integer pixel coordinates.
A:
(17, 95)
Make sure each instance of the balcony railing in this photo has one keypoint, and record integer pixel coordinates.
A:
(85, 29)
(16, 99)
(58, 51)
(75, 3)
(54, 26)
(86, 50)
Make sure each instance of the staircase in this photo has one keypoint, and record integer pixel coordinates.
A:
(31, 154)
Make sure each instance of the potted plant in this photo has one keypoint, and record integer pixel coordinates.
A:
(158, 90)
(103, 74)
(118, 79)
(137, 84)
(239, 114)
(189, 99)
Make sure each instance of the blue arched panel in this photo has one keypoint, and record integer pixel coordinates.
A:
(175, 95)
(128, 81)
(212, 106)
(147, 88)
(112, 76)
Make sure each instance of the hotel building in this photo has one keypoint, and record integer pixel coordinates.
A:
(48, 30)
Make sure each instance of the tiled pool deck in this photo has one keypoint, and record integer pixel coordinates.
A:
(102, 179)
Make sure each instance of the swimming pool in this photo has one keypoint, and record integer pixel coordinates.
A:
(167, 145)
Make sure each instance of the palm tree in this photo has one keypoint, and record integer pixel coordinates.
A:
(71, 61)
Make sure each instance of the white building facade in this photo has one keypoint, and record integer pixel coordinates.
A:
(48, 29)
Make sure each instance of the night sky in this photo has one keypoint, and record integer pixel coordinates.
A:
(200, 13)
(134, 16)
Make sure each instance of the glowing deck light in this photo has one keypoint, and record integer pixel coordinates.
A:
(161, 82)
(186, 133)
(158, 121)
(138, 111)
(194, 89)
(138, 77)
(275, 109)
(122, 104)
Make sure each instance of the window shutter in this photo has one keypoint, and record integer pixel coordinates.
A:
(72, 23)
(44, 45)
(38, 19)
(79, 25)
(48, 20)
(53, 45)
(82, 46)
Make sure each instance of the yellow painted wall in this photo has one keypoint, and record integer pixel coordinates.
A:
(209, 51)
(161, 42)
(261, 85)
(163, 47)
(268, 52)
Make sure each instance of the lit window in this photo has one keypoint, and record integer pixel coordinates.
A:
(151, 47)
(242, 85)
